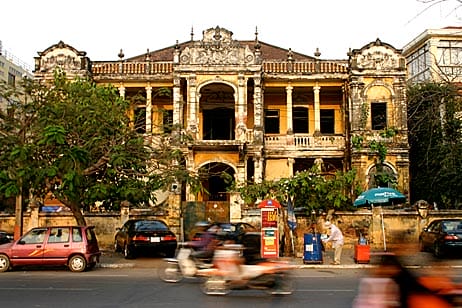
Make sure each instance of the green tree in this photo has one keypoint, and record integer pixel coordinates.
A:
(17, 113)
(311, 190)
(435, 138)
(83, 148)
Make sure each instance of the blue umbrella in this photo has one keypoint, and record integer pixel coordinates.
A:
(380, 196)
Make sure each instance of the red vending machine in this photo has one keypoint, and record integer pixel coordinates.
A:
(269, 228)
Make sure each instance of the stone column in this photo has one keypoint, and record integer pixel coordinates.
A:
(290, 128)
(290, 163)
(34, 214)
(122, 90)
(177, 102)
(124, 211)
(190, 166)
(236, 202)
(258, 169)
(317, 109)
(148, 109)
(289, 104)
(241, 108)
(258, 111)
(192, 106)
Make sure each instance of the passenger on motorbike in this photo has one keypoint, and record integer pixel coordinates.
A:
(205, 246)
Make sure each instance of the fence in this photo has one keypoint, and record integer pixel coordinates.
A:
(380, 226)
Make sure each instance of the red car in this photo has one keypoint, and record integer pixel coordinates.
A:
(72, 246)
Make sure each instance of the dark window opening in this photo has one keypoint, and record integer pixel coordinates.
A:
(271, 121)
(250, 170)
(300, 120)
(379, 116)
(327, 118)
(328, 166)
(302, 164)
(11, 79)
(219, 124)
(167, 121)
(140, 120)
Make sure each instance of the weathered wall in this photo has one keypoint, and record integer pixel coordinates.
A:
(382, 227)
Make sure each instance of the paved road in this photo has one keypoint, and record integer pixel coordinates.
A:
(140, 287)
(409, 255)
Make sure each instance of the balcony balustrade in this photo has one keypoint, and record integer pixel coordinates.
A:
(299, 141)
(166, 67)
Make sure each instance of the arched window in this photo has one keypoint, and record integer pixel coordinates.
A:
(382, 175)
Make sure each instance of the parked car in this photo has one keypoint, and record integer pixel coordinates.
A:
(141, 235)
(5, 237)
(443, 237)
(228, 230)
(240, 233)
(73, 246)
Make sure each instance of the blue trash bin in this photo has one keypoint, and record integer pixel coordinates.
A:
(312, 248)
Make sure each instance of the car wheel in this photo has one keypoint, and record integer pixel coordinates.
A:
(77, 263)
(4, 263)
(128, 252)
(116, 246)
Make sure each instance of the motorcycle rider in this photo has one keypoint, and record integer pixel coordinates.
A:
(206, 244)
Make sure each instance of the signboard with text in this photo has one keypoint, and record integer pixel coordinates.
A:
(269, 231)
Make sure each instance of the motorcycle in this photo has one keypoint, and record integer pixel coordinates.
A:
(184, 265)
(230, 273)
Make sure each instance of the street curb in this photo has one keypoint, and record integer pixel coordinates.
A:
(111, 265)
(304, 266)
(346, 266)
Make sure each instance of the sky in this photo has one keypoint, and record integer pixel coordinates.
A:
(102, 27)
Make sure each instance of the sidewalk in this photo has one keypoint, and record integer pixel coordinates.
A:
(410, 258)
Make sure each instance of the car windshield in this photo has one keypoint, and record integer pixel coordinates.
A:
(449, 226)
(150, 225)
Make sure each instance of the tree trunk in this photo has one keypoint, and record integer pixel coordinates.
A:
(288, 251)
(76, 211)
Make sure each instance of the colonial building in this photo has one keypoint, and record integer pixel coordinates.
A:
(258, 111)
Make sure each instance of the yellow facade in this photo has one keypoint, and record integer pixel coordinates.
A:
(258, 111)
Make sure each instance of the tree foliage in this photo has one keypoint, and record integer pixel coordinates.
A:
(310, 190)
(82, 147)
(435, 137)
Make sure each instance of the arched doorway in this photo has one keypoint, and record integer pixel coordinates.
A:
(216, 179)
(218, 115)
(382, 175)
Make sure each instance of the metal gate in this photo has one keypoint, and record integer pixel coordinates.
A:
(211, 211)
(217, 211)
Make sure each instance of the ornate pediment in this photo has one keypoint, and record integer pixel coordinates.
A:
(377, 56)
(63, 56)
(217, 47)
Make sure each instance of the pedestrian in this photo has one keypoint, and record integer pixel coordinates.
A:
(336, 237)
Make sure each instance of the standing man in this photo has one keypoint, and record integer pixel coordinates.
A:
(336, 237)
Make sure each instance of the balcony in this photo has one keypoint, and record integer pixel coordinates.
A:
(306, 142)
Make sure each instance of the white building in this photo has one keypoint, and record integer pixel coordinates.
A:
(12, 70)
(435, 54)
